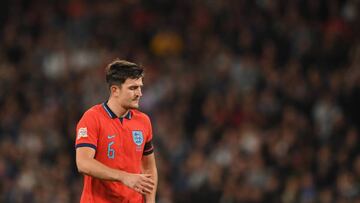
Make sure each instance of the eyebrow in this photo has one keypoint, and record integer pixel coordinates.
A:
(137, 85)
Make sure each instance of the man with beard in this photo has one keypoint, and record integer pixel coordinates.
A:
(114, 147)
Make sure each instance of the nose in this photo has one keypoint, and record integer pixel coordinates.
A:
(139, 92)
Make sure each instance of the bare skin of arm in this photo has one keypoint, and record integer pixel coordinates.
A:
(149, 167)
(86, 164)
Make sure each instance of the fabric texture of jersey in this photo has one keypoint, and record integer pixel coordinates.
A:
(120, 143)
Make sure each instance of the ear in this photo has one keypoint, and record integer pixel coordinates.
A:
(114, 90)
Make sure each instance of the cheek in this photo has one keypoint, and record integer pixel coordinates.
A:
(123, 97)
(129, 95)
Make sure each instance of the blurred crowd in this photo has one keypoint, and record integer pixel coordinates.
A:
(251, 101)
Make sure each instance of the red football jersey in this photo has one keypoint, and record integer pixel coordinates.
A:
(120, 143)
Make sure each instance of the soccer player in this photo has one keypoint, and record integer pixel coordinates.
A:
(113, 144)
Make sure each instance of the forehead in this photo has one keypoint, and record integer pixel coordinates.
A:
(133, 82)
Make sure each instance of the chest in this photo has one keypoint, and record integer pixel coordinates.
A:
(121, 143)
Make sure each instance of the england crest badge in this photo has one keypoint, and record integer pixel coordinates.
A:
(138, 137)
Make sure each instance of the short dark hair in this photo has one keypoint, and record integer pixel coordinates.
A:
(119, 70)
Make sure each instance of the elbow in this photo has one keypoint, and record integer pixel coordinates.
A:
(80, 169)
(81, 166)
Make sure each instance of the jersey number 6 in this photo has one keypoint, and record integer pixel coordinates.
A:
(111, 151)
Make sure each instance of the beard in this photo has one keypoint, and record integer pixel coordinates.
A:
(133, 104)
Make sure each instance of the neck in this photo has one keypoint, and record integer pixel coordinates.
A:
(116, 108)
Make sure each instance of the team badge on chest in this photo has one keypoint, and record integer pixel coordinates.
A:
(138, 137)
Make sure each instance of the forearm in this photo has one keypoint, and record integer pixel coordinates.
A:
(94, 168)
(154, 175)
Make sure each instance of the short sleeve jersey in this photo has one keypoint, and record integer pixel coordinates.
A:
(120, 143)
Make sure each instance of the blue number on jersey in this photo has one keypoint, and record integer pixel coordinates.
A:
(111, 152)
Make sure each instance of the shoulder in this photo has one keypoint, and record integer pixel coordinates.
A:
(93, 112)
(140, 115)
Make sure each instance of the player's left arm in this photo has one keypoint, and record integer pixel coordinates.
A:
(149, 167)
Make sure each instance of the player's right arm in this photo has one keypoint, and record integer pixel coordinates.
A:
(86, 164)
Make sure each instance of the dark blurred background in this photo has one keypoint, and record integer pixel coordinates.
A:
(251, 100)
